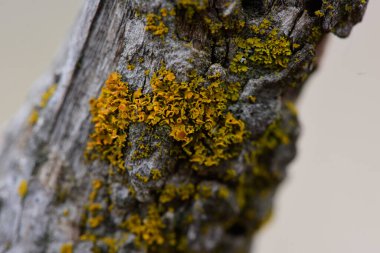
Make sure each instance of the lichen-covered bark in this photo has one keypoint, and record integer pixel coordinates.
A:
(186, 143)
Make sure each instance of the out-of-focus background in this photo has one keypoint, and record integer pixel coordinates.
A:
(330, 202)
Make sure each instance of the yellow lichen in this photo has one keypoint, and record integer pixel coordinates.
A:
(66, 213)
(111, 244)
(94, 207)
(252, 99)
(23, 188)
(168, 194)
(96, 185)
(33, 117)
(94, 222)
(47, 95)
(171, 192)
(67, 248)
(319, 13)
(266, 48)
(192, 6)
(186, 191)
(230, 175)
(223, 192)
(155, 24)
(130, 67)
(291, 107)
(149, 229)
(204, 191)
(272, 138)
(141, 178)
(88, 237)
(156, 174)
(195, 112)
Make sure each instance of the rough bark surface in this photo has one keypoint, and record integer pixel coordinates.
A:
(53, 200)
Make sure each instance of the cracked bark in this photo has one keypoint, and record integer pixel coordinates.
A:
(107, 36)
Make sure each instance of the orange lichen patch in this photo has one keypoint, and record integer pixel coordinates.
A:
(149, 229)
(179, 133)
(155, 24)
(111, 121)
(67, 248)
(195, 111)
(22, 188)
(97, 184)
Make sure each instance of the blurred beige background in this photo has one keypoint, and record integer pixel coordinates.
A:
(330, 202)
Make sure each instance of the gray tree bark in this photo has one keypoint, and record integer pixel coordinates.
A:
(53, 199)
